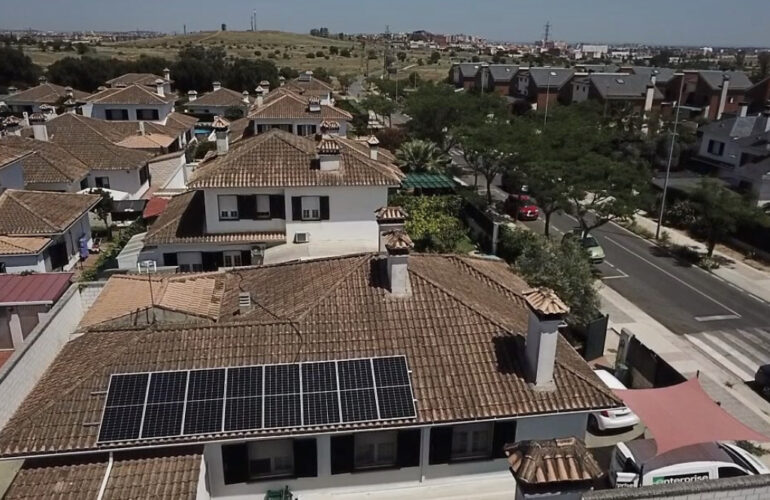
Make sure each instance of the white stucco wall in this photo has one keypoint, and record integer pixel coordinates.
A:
(20, 263)
(214, 225)
(731, 154)
(12, 176)
(23, 370)
(317, 122)
(168, 173)
(98, 110)
(121, 180)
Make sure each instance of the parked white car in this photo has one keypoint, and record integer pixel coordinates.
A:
(684, 465)
(612, 419)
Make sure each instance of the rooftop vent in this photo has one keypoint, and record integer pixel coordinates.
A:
(244, 301)
(620, 81)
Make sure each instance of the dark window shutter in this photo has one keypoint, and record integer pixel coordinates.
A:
(277, 207)
(235, 462)
(305, 458)
(409, 448)
(504, 433)
(342, 448)
(247, 207)
(324, 208)
(124, 114)
(440, 445)
(246, 257)
(296, 208)
(170, 259)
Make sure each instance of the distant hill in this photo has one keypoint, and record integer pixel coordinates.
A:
(245, 39)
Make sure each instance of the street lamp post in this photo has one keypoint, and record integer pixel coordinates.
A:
(670, 158)
(547, 96)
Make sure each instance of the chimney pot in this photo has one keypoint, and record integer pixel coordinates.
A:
(167, 74)
(245, 95)
(546, 313)
(39, 127)
(216, 85)
(192, 95)
(221, 131)
(160, 87)
(389, 219)
(398, 245)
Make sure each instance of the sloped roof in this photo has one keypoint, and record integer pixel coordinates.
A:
(29, 213)
(220, 97)
(618, 86)
(288, 105)
(10, 154)
(131, 477)
(280, 159)
(183, 221)
(20, 245)
(45, 93)
(198, 295)
(551, 77)
(714, 78)
(134, 79)
(552, 461)
(469, 70)
(47, 162)
(34, 288)
(310, 87)
(752, 128)
(502, 72)
(662, 75)
(132, 94)
(461, 329)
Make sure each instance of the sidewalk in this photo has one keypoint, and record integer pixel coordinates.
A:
(750, 279)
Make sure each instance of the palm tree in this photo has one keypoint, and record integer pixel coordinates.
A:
(421, 156)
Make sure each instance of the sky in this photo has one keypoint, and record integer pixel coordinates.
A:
(674, 22)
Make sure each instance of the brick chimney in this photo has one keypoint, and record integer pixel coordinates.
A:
(389, 219)
(328, 150)
(192, 95)
(160, 87)
(374, 148)
(39, 128)
(546, 315)
(216, 85)
(398, 245)
(723, 95)
(221, 130)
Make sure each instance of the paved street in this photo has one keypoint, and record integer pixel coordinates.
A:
(740, 351)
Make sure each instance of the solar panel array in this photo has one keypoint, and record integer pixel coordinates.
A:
(189, 402)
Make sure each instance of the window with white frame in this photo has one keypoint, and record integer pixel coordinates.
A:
(228, 207)
(375, 449)
(472, 440)
(233, 259)
(311, 208)
(271, 458)
(263, 206)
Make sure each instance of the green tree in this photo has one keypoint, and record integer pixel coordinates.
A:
(345, 79)
(720, 211)
(322, 74)
(544, 180)
(84, 73)
(401, 55)
(104, 208)
(421, 156)
(434, 223)
(245, 74)
(333, 50)
(16, 68)
(434, 58)
(380, 105)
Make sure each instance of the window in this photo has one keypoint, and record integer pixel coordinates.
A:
(261, 128)
(305, 130)
(731, 472)
(116, 114)
(233, 259)
(84, 183)
(311, 208)
(375, 449)
(271, 458)
(147, 114)
(102, 182)
(228, 207)
(716, 147)
(263, 206)
(471, 441)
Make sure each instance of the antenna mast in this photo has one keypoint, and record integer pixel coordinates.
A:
(547, 33)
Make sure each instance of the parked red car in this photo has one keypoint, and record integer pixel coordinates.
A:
(521, 206)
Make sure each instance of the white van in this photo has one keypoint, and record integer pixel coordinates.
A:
(683, 465)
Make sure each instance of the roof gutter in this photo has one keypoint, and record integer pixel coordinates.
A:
(106, 478)
(27, 303)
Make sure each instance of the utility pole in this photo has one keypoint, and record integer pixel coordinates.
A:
(547, 33)
(670, 159)
(386, 56)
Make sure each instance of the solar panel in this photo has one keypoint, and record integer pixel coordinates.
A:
(243, 414)
(167, 404)
(358, 405)
(355, 374)
(282, 411)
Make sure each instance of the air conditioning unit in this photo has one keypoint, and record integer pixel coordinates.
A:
(301, 237)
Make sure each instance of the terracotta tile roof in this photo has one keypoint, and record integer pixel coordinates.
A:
(47, 162)
(311, 87)
(32, 213)
(220, 123)
(162, 477)
(397, 241)
(183, 222)
(461, 331)
(155, 206)
(147, 141)
(12, 245)
(239, 129)
(9, 154)
(552, 461)
(135, 79)
(278, 158)
(197, 295)
(132, 94)
(45, 93)
(290, 106)
(391, 214)
(545, 301)
(362, 146)
(220, 97)
(70, 127)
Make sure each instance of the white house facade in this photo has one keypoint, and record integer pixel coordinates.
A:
(130, 103)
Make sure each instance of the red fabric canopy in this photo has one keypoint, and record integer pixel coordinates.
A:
(683, 415)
